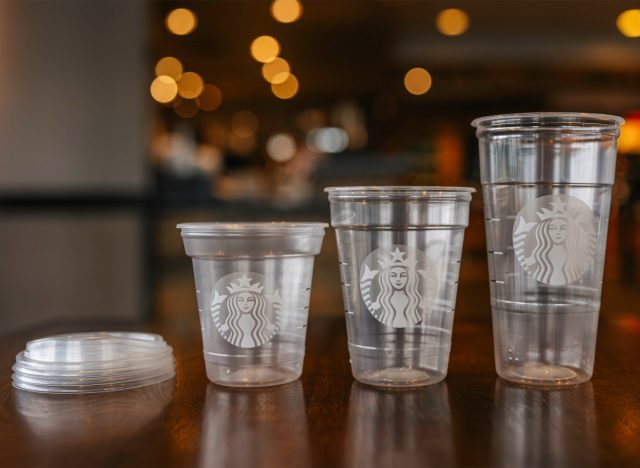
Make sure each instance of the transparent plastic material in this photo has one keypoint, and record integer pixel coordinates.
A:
(547, 181)
(399, 250)
(93, 362)
(253, 282)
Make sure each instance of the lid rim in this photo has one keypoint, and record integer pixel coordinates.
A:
(536, 121)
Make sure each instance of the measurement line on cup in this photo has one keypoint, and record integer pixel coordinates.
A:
(349, 312)
(495, 252)
(497, 281)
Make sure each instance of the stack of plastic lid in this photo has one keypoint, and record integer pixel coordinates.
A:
(93, 362)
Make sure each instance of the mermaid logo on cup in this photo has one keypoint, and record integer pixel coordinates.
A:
(554, 239)
(398, 285)
(244, 314)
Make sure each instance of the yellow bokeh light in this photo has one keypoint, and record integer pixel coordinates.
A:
(169, 66)
(181, 21)
(244, 123)
(287, 89)
(265, 49)
(164, 89)
(210, 98)
(452, 22)
(417, 81)
(190, 85)
(628, 23)
(629, 140)
(276, 71)
(286, 11)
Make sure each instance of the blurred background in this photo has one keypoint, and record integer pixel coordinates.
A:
(120, 119)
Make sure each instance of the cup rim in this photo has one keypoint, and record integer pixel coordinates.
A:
(251, 229)
(422, 192)
(582, 122)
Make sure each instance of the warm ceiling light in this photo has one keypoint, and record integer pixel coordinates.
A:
(169, 66)
(417, 81)
(629, 140)
(181, 21)
(265, 49)
(452, 22)
(163, 89)
(287, 89)
(190, 85)
(286, 11)
(628, 23)
(276, 71)
(210, 98)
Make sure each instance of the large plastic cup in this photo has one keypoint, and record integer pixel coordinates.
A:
(547, 181)
(399, 251)
(253, 282)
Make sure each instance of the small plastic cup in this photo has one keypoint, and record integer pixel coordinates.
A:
(400, 250)
(253, 282)
(546, 181)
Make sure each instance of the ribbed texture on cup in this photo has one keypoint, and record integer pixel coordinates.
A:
(251, 240)
(399, 207)
(563, 124)
(553, 148)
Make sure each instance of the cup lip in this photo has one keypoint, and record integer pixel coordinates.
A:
(420, 192)
(252, 229)
(581, 122)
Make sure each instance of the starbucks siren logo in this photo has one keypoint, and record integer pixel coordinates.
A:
(242, 312)
(554, 239)
(398, 286)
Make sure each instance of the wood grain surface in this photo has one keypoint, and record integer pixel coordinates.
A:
(326, 419)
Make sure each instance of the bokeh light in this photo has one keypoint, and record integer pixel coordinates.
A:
(286, 11)
(287, 89)
(164, 89)
(628, 23)
(265, 49)
(169, 66)
(186, 108)
(244, 123)
(276, 71)
(190, 85)
(629, 140)
(452, 22)
(328, 140)
(417, 81)
(181, 21)
(281, 147)
(210, 98)
(240, 144)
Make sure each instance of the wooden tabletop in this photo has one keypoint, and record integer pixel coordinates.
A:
(472, 418)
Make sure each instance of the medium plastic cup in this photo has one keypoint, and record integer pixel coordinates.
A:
(399, 251)
(547, 181)
(253, 282)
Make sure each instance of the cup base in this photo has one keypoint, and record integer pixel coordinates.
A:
(253, 376)
(399, 377)
(539, 373)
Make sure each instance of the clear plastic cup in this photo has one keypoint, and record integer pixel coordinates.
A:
(399, 250)
(547, 181)
(253, 282)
